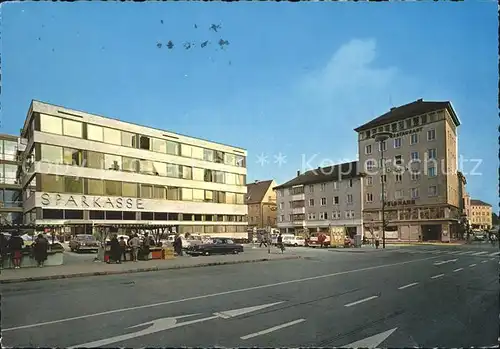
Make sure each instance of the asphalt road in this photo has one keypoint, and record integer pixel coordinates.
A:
(420, 296)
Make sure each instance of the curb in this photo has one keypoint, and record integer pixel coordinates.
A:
(142, 270)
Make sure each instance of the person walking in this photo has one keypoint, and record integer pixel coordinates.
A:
(3, 250)
(145, 246)
(40, 249)
(115, 250)
(263, 240)
(134, 244)
(123, 248)
(15, 246)
(178, 245)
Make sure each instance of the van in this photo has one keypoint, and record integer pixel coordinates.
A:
(293, 240)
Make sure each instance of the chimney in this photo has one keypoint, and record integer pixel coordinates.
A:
(298, 173)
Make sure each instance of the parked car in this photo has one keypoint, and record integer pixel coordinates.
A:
(83, 242)
(293, 240)
(218, 246)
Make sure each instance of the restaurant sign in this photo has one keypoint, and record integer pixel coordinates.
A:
(94, 202)
(400, 203)
(403, 133)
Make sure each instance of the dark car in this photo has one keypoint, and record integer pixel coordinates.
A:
(217, 246)
(83, 242)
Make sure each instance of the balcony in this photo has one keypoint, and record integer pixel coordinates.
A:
(299, 197)
(298, 210)
(299, 223)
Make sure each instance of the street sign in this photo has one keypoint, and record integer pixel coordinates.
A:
(168, 323)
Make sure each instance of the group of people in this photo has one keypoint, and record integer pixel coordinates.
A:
(118, 248)
(14, 246)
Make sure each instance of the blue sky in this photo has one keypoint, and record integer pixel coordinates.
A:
(295, 78)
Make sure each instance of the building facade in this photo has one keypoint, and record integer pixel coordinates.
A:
(481, 215)
(322, 198)
(419, 170)
(11, 200)
(84, 169)
(261, 202)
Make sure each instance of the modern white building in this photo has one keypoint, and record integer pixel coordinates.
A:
(85, 169)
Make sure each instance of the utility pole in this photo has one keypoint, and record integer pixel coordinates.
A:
(381, 138)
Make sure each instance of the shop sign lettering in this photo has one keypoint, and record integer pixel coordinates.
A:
(82, 201)
(400, 203)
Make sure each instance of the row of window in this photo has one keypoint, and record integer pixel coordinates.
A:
(430, 154)
(66, 127)
(8, 174)
(349, 214)
(77, 185)
(398, 178)
(322, 187)
(432, 190)
(96, 160)
(401, 125)
(10, 198)
(312, 202)
(8, 150)
(398, 141)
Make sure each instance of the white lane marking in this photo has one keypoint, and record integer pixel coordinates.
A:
(372, 341)
(152, 305)
(468, 252)
(479, 253)
(492, 259)
(458, 269)
(455, 252)
(437, 276)
(494, 254)
(445, 262)
(484, 261)
(409, 285)
(360, 301)
(472, 265)
(272, 329)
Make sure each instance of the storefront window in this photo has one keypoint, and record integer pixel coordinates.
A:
(52, 183)
(72, 128)
(112, 136)
(10, 150)
(113, 188)
(73, 185)
(51, 124)
(129, 189)
(95, 160)
(198, 195)
(10, 174)
(94, 187)
(128, 139)
(72, 156)
(172, 148)
(159, 145)
(51, 153)
(173, 193)
(146, 191)
(112, 162)
(95, 133)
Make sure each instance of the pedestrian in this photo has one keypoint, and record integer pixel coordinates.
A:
(134, 244)
(123, 248)
(263, 240)
(40, 249)
(15, 246)
(3, 249)
(178, 245)
(145, 246)
(115, 250)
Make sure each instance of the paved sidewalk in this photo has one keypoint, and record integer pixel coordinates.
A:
(99, 268)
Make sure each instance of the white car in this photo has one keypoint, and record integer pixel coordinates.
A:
(293, 240)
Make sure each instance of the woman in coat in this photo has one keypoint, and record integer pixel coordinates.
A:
(115, 252)
(40, 249)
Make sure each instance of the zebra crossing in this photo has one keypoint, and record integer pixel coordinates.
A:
(448, 252)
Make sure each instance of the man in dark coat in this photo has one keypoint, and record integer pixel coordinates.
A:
(40, 249)
(16, 245)
(115, 250)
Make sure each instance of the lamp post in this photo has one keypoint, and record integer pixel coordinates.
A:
(381, 138)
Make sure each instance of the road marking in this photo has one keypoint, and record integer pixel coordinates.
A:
(372, 341)
(409, 285)
(437, 276)
(492, 259)
(458, 269)
(484, 261)
(272, 329)
(360, 301)
(479, 253)
(468, 252)
(494, 254)
(445, 262)
(152, 305)
(472, 265)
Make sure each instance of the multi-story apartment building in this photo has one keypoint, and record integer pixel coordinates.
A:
(467, 207)
(320, 198)
(481, 215)
(11, 203)
(261, 202)
(86, 169)
(419, 171)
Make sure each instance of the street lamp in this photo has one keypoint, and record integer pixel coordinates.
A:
(381, 138)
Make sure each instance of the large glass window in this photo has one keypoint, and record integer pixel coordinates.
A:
(51, 124)
(113, 188)
(186, 150)
(94, 187)
(173, 193)
(186, 172)
(187, 194)
(208, 155)
(73, 185)
(51, 153)
(159, 145)
(146, 191)
(95, 133)
(95, 160)
(128, 139)
(12, 198)
(10, 150)
(231, 198)
(72, 156)
(112, 136)
(159, 192)
(130, 164)
(198, 174)
(230, 178)
(172, 148)
(10, 174)
(197, 153)
(240, 199)
(52, 183)
(230, 159)
(112, 162)
(129, 189)
(219, 177)
(160, 169)
(72, 128)
(146, 167)
(173, 170)
(198, 195)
